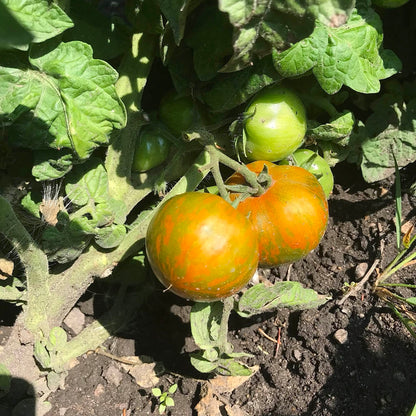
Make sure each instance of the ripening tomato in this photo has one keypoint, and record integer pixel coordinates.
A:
(276, 124)
(316, 164)
(290, 217)
(151, 149)
(201, 248)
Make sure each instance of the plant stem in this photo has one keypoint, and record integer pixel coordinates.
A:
(249, 176)
(223, 344)
(398, 285)
(35, 264)
(134, 71)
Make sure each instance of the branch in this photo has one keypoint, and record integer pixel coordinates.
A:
(34, 262)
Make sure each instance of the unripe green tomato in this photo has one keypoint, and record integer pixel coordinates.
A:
(178, 113)
(315, 164)
(277, 125)
(389, 4)
(152, 149)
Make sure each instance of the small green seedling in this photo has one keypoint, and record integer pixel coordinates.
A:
(164, 398)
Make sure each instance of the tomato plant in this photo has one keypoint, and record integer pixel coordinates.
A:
(290, 216)
(151, 149)
(315, 164)
(276, 124)
(201, 248)
(178, 112)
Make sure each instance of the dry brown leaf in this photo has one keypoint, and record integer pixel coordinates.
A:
(209, 405)
(144, 373)
(234, 410)
(6, 268)
(407, 226)
(213, 404)
(227, 384)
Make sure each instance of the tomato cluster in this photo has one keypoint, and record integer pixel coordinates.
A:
(201, 247)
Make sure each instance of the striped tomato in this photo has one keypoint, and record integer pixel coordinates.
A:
(290, 217)
(201, 248)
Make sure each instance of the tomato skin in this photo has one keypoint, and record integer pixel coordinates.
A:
(201, 248)
(316, 164)
(277, 125)
(290, 217)
(151, 149)
(178, 113)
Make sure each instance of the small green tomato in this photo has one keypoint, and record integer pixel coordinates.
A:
(178, 113)
(315, 164)
(151, 150)
(276, 124)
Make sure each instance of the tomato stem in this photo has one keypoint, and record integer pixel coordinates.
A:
(251, 178)
(223, 344)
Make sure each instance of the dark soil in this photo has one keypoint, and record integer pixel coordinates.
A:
(350, 359)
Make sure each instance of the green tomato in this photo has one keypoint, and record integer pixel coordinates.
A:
(151, 150)
(178, 113)
(389, 4)
(315, 164)
(276, 125)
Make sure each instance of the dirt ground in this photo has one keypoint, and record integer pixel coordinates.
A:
(352, 359)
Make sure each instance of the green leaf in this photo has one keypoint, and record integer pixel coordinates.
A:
(57, 339)
(42, 18)
(231, 367)
(201, 364)
(42, 355)
(262, 25)
(210, 51)
(205, 323)
(177, 11)
(390, 130)
(162, 408)
(50, 164)
(12, 33)
(30, 205)
(156, 392)
(5, 380)
(231, 90)
(66, 244)
(303, 55)
(65, 100)
(352, 57)
(109, 36)
(110, 237)
(88, 183)
(338, 128)
(169, 402)
(411, 301)
(292, 295)
(173, 388)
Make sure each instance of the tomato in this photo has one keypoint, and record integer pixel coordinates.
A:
(315, 164)
(389, 4)
(152, 149)
(277, 125)
(178, 113)
(290, 216)
(200, 247)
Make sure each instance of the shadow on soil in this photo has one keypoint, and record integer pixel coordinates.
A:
(373, 373)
